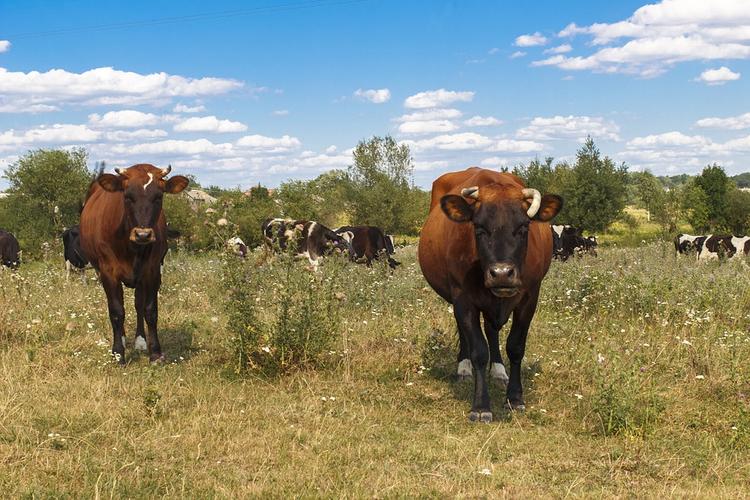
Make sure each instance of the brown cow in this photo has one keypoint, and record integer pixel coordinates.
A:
(485, 248)
(124, 235)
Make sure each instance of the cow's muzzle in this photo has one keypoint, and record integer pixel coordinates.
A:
(502, 279)
(142, 235)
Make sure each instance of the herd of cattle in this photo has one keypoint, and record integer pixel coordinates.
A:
(485, 248)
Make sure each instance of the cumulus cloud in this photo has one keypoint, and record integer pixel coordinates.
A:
(718, 76)
(437, 98)
(130, 135)
(4, 46)
(208, 124)
(731, 123)
(430, 114)
(427, 127)
(48, 135)
(517, 54)
(468, 141)
(102, 86)
(560, 49)
(269, 144)
(182, 108)
(575, 127)
(514, 146)
(377, 96)
(667, 139)
(482, 121)
(531, 40)
(127, 118)
(280, 112)
(661, 35)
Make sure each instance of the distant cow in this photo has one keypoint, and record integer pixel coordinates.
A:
(124, 236)
(9, 250)
(722, 246)
(237, 246)
(369, 243)
(568, 240)
(485, 248)
(686, 243)
(308, 239)
(741, 246)
(72, 251)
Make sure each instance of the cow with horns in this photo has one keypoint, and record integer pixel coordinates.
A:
(124, 236)
(485, 248)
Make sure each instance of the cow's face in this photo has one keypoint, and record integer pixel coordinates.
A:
(500, 216)
(143, 187)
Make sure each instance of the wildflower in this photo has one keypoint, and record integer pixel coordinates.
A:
(700, 377)
(578, 396)
(599, 358)
(485, 472)
(686, 342)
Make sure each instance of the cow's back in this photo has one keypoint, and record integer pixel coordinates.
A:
(447, 250)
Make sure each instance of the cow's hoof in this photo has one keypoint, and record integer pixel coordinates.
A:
(515, 405)
(157, 359)
(497, 371)
(481, 416)
(140, 344)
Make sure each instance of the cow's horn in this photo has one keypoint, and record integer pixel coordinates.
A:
(120, 171)
(165, 171)
(535, 202)
(470, 192)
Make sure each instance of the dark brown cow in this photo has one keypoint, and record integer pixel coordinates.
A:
(9, 250)
(485, 248)
(369, 243)
(124, 236)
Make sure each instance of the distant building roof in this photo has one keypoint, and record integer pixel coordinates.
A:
(198, 195)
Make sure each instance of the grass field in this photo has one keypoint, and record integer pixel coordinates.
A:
(636, 375)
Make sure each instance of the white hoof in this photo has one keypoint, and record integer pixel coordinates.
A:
(464, 368)
(140, 344)
(497, 371)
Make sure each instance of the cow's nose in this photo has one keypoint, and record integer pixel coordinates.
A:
(502, 271)
(502, 276)
(143, 234)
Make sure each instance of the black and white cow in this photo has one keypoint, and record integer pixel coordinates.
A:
(309, 239)
(687, 243)
(74, 257)
(722, 246)
(9, 250)
(741, 246)
(369, 243)
(568, 240)
(237, 246)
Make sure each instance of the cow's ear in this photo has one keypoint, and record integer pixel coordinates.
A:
(111, 183)
(550, 206)
(456, 208)
(176, 184)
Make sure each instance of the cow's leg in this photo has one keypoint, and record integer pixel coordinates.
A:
(464, 363)
(492, 331)
(467, 318)
(151, 313)
(516, 347)
(113, 289)
(140, 310)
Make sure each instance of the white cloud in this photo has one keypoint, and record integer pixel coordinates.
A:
(718, 76)
(560, 49)
(102, 86)
(428, 165)
(48, 135)
(174, 147)
(513, 146)
(377, 96)
(495, 161)
(129, 135)
(437, 98)
(427, 127)
(482, 121)
(517, 54)
(731, 123)
(127, 118)
(661, 35)
(531, 40)
(182, 108)
(493, 51)
(209, 124)
(452, 142)
(430, 114)
(575, 127)
(667, 139)
(281, 112)
(4, 46)
(269, 144)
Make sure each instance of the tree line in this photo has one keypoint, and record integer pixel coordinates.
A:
(47, 188)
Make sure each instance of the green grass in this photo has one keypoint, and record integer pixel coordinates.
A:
(636, 378)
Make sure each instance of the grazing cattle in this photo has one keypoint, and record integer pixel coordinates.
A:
(237, 246)
(485, 248)
(715, 247)
(123, 234)
(9, 250)
(568, 240)
(685, 243)
(310, 239)
(72, 251)
(741, 246)
(369, 243)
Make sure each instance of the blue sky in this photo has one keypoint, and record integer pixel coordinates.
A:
(239, 93)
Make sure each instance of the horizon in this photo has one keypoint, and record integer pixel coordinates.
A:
(280, 91)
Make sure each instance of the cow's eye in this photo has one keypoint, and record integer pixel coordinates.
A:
(480, 231)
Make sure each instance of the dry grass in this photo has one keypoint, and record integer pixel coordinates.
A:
(636, 380)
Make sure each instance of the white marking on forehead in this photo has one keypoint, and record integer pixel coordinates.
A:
(150, 180)
(558, 229)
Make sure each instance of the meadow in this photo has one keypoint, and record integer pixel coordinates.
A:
(636, 382)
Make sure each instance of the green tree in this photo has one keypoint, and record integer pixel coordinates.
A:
(695, 206)
(380, 184)
(594, 191)
(714, 182)
(649, 193)
(46, 192)
(738, 213)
